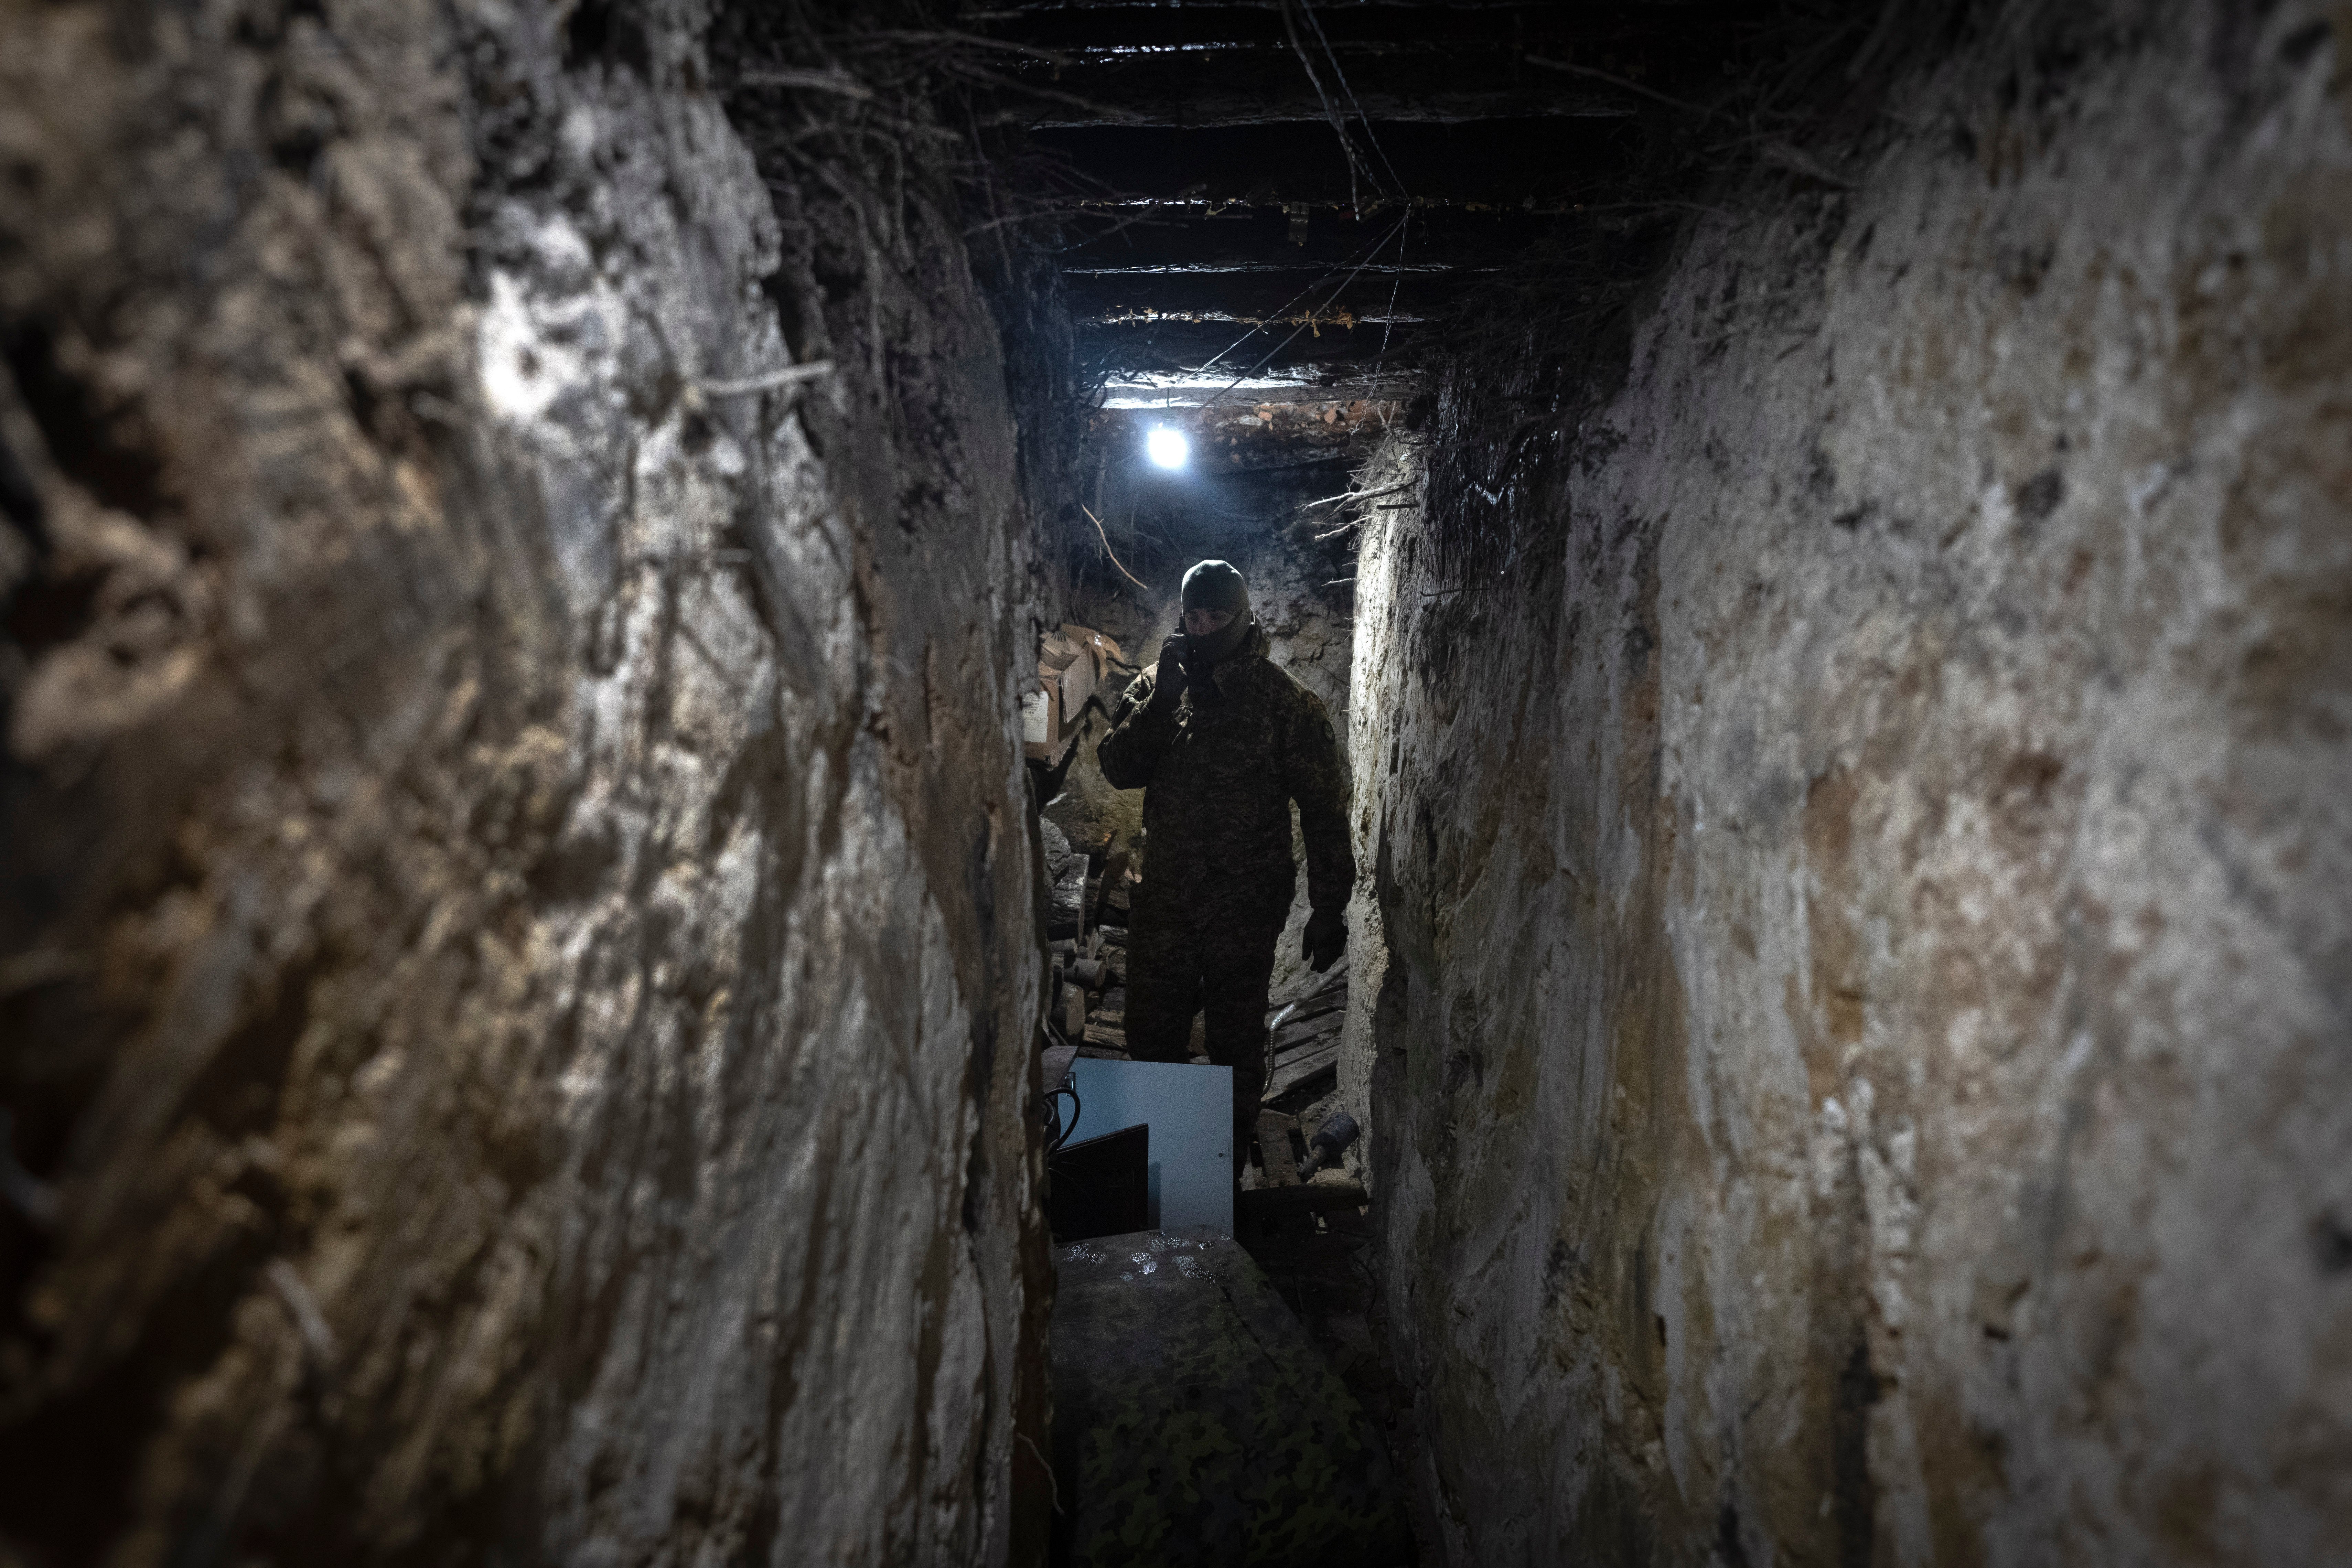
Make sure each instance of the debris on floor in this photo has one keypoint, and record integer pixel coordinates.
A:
(1280, 1189)
(1197, 1422)
(1088, 933)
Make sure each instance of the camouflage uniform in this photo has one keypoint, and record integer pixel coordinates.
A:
(1219, 769)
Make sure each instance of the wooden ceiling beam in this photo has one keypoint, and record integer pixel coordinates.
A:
(1261, 296)
(1521, 164)
(1267, 239)
(1016, 10)
(1221, 103)
(1183, 347)
(1266, 85)
(1230, 202)
(1619, 34)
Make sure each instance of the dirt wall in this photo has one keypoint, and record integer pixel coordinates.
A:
(515, 963)
(1856, 1063)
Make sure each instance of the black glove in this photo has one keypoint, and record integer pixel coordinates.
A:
(1168, 684)
(1326, 940)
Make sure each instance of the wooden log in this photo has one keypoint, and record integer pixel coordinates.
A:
(1274, 1157)
(1302, 1070)
(1333, 1001)
(1106, 300)
(1252, 238)
(1065, 903)
(1311, 1034)
(1234, 105)
(1106, 1036)
(1329, 1191)
(1352, 25)
(1313, 1049)
(1494, 162)
(1269, 88)
(1317, 1006)
(1294, 449)
(1329, 997)
(1182, 347)
(1090, 10)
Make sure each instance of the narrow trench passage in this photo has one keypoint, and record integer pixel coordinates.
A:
(1286, 1457)
(599, 936)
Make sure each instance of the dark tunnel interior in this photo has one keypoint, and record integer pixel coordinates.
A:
(653, 914)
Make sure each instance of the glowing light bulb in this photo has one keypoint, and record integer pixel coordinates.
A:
(1167, 447)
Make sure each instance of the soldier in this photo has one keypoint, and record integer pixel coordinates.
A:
(1221, 743)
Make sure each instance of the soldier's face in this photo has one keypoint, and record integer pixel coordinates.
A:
(1204, 623)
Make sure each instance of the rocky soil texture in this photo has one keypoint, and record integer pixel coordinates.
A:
(1857, 1072)
(516, 961)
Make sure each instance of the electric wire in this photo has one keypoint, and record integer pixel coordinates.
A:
(1281, 311)
(1388, 326)
(1311, 314)
(1356, 164)
(1338, 125)
(1340, 74)
(1057, 1132)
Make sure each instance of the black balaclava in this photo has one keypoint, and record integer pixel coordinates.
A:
(1215, 586)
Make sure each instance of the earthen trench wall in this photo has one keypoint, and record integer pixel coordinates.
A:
(1857, 1016)
(518, 960)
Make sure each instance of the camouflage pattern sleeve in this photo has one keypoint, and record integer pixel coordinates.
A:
(1129, 755)
(1317, 776)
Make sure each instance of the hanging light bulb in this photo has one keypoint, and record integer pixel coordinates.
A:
(1167, 447)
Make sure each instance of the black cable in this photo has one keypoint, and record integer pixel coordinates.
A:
(1311, 315)
(1389, 325)
(1279, 310)
(1061, 1134)
(1338, 126)
(1354, 162)
(1341, 76)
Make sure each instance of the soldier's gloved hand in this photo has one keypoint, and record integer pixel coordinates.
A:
(1326, 940)
(1168, 685)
